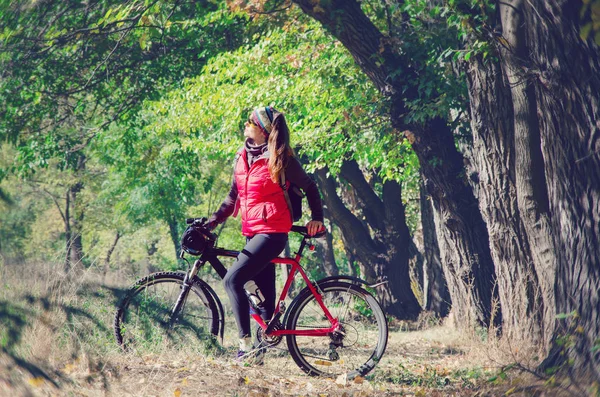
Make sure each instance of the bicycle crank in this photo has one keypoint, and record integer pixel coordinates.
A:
(269, 340)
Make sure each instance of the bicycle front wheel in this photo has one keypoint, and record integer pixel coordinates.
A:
(353, 350)
(145, 321)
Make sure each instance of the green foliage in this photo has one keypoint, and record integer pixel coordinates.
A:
(73, 82)
(71, 69)
(334, 112)
(590, 20)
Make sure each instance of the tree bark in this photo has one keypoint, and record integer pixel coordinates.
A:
(462, 234)
(351, 258)
(381, 259)
(174, 233)
(532, 194)
(67, 222)
(436, 297)
(565, 72)
(493, 160)
(326, 248)
(75, 226)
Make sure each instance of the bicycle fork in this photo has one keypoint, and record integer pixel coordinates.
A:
(185, 290)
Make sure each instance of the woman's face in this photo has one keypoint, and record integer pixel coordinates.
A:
(254, 132)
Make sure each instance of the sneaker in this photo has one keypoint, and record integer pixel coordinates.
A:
(252, 357)
(248, 354)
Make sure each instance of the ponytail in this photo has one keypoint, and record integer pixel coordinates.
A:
(279, 146)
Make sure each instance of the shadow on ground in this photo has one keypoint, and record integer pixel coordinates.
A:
(21, 313)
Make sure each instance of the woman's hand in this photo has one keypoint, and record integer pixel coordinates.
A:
(314, 227)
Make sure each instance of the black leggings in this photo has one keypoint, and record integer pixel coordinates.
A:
(253, 264)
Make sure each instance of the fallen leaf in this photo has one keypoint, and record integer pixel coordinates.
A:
(323, 362)
(177, 392)
(342, 380)
(359, 380)
(184, 381)
(36, 382)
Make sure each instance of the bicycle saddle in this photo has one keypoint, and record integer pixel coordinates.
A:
(304, 231)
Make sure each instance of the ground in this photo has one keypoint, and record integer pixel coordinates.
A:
(57, 341)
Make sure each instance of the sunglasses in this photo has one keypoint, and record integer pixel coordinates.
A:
(250, 121)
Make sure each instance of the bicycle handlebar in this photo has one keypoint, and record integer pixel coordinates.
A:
(200, 222)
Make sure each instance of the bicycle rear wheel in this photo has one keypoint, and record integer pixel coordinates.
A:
(355, 349)
(144, 320)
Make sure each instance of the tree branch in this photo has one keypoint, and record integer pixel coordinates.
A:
(373, 206)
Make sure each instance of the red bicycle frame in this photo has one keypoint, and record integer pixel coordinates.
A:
(211, 255)
(313, 332)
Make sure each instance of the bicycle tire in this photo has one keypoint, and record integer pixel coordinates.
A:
(142, 318)
(359, 347)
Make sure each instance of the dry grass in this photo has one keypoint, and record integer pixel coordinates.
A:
(56, 339)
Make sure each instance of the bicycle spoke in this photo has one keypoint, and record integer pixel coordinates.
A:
(352, 349)
(146, 320)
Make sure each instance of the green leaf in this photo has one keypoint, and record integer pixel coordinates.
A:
(585, 31)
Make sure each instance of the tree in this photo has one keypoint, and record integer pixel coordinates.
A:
(436, 297)
(382, 253)
(70, 71)
(561, 203)
(462, 234)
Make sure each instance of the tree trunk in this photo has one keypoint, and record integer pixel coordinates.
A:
(326, 248)
(494, 161)
(382, 259)
(565, 72)
(67, 222)
(73, 219)
(436, 297)
(532, 193)
(76, 224)
(463, 238)
(109, 254)
(174, 233)
(462, 234)
(351, 258)
(415, 269)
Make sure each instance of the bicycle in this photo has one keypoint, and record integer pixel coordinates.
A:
(333, 326)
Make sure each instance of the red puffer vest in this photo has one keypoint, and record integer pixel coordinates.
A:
(261, 201)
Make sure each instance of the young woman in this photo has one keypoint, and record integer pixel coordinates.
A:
(266, 220)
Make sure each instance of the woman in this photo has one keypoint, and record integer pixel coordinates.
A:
(266, 220)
